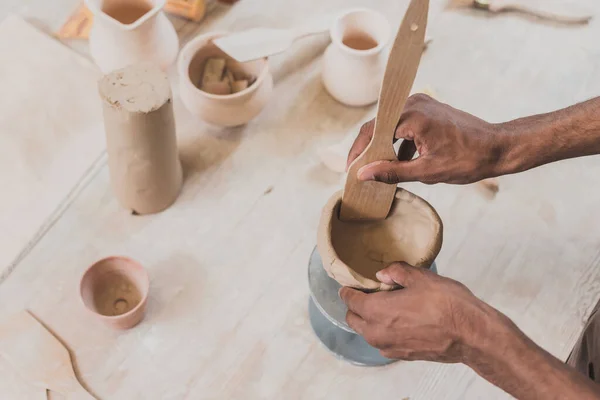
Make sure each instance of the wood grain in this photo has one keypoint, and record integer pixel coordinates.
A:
(43, 154)
(372, 200)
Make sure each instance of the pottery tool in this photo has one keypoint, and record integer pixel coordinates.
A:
(194, 10)
(372, 200)
(327, 315)
(498, 6)
(38, 357)
(78, 25)
(258, 43)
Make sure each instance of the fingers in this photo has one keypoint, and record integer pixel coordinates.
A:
(394, 171)
(362, 141)
(355, 300)
(400, 273)
(355, 322)
(411, 124)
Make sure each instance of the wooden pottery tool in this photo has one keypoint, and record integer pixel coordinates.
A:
(520, 6)
(78, 25)
(115, 290)
(38, 357)
(372, 200)
(194, 10)
(258, 43)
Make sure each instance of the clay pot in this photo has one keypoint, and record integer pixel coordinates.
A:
(223, 110)
(353, 252)
(115, 290)
(127, 32)
(355, 61)
(145, 171)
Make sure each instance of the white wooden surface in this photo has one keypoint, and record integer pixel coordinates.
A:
(227, 315)
(51, 133)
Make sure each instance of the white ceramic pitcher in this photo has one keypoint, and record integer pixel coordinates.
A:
(355, 61)
(127, 32)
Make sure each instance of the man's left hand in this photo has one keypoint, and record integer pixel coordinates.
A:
(431, 318)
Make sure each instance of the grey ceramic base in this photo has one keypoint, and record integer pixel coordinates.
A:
(327, 314)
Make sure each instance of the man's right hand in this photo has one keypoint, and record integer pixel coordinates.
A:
(454, 146)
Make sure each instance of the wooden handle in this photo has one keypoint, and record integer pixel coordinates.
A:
(373, 200)
(547, 15)
(400, 73)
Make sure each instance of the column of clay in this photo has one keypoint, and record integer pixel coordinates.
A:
(145, 170)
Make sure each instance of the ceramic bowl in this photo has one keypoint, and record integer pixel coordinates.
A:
(115, 290)
(223, 110)
(352, 253)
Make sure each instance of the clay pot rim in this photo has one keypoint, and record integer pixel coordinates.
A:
(324, 237)
(369, 52)
(135, 309)
(187, 53)
(158, 5)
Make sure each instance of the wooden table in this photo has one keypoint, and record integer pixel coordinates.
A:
(227, 316)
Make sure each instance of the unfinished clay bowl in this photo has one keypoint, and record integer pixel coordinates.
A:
(223, 110)
(115, 290)
(353, 252)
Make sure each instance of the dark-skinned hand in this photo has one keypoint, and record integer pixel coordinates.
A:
(430, 318)
(453, 146)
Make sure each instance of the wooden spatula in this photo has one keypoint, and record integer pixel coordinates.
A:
(257, 43)
(38, 357)
(372, 200)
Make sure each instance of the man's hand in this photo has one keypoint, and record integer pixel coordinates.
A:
(453, 146)
(432, 318)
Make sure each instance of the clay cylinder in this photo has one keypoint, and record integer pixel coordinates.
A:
(145, 170)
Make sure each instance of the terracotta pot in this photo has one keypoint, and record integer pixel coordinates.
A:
(127, 32)
(355, 61)
(353, 252)
(223, 110)
(115, 290)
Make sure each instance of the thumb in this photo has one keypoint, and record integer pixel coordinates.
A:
(392, 171)
(400, 273)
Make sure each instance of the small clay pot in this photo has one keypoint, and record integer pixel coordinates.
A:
(223, 110)
(115, 290)
(353, 252)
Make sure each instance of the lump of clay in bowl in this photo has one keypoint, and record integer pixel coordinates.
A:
(353, 252)
(219, 78)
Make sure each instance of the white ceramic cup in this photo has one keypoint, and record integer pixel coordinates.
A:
(355, 61)
(223, 110)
